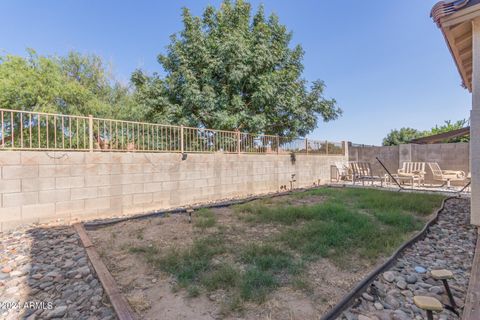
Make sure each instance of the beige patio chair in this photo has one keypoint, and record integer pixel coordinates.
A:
(413, 171)
(446, 176)
(343, 172)
(361, 171)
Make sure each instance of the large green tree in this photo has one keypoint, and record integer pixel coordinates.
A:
(74, 84)
(229, 70)
(405, 135)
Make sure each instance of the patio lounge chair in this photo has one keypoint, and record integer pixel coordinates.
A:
(343, 171)
(361, 171)
(412, 171)
(446, 176)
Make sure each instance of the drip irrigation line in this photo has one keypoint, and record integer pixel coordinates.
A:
(220, 204)
(348, 299)
(355, 293)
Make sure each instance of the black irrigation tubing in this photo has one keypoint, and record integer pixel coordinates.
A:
(349, 298)
(96, 224)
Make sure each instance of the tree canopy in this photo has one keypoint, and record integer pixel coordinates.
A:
(405, 135)
(74, 84)
(449, 126)
(229, 70)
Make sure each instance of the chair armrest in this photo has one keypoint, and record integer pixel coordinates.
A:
(458, 173)
(418, 172)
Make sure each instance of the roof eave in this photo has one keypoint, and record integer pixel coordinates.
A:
(449, 15)
(465, 80)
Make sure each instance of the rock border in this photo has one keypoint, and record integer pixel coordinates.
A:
(362, 286)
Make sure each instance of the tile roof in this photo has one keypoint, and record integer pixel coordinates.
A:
(445, 8)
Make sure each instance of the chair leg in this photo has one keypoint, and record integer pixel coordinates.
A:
(449, 293)
(429, 315)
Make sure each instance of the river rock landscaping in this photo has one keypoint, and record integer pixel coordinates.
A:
(287, 257)
(45, 274)
(449, 244)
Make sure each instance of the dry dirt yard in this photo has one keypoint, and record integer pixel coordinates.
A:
(287, 257)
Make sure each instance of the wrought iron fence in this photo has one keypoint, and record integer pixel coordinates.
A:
(360, 145)
(26, 130)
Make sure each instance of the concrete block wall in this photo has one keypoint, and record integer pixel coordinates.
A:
(44, 186)
(388, 155)
(449, 156)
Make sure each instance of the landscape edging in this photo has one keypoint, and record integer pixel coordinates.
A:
(349, 298)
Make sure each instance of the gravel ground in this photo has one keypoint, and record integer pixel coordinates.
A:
(45, 274)
(449, 244)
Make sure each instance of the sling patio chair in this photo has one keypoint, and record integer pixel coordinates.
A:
(361, 171)
(446, 176)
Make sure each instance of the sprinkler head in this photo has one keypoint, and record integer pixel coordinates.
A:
(190, 211)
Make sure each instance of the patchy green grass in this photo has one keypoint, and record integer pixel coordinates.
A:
(188, 265)
(362, 223)
(204, 219)
(193, 291)
(194, 267)
(150, 253)
(266, 257)
(222, 276)
(369, 223)
(256, 284)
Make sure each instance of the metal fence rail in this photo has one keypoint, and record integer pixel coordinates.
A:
(26, 130)
(360, 145)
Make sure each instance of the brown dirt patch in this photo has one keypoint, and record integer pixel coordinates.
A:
(299, 199)
(153, 294)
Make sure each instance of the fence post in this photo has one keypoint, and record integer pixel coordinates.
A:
(181, 140)
(90, 132)
(326, 146)
(238, 141)
(306, 144)
(278, 144)
(345, 149)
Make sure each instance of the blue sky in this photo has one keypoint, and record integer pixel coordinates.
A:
(385, 62)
